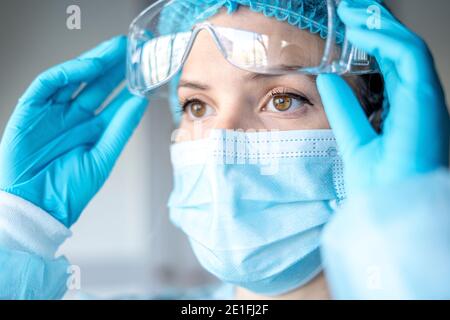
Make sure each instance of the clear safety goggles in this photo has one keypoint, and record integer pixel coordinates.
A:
(156, 54)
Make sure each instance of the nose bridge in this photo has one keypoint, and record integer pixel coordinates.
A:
(235, 108)
(228, 120)
(234, 112)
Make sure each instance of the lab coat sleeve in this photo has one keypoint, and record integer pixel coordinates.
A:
(29, 238)
(392, 243)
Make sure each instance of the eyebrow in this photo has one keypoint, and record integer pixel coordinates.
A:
(251, 76)
(193, 85)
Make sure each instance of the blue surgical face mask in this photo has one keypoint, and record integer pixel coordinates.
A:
(253, 204)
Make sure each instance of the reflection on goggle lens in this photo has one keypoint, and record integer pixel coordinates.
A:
(155, 56)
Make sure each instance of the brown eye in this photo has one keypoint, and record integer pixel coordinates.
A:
(282, 102)
(197, 109)
(286, 102)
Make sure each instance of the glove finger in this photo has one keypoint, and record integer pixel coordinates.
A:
(417, 123)
(121, 117)
(392, 42)
(350, 125)
(108, 113)
(417, 134)
(65, 94)
(91, 98)
(86, 134)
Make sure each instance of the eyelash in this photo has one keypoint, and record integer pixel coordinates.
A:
(284, 91)
(275, 92)
(184, 104)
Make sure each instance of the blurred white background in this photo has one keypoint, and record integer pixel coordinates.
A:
(123, 242)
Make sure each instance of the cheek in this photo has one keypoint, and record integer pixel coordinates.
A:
(321, 121)
(314, 119)
(192, 130)
(320, 117)
(184, 132)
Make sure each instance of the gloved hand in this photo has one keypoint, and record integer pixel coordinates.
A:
(415, 134)
(57, 151)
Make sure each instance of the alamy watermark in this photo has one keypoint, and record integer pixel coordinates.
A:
(237, 146)
(73, 20)
(74, 280)
(373, 22)
(374, 279)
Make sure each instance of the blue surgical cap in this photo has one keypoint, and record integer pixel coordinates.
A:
(308, 15)
(305, 14)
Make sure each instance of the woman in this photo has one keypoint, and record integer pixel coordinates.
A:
(256, 225)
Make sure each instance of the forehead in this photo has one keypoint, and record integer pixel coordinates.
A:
(299, 47)
(246, 19)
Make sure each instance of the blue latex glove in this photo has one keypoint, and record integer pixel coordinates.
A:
(415, 133)
(57, 150)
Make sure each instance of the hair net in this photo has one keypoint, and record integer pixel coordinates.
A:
(305, 14)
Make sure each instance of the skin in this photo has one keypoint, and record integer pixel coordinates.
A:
(316, 289)
(231, 98)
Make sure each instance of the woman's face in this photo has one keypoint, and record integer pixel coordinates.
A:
(216, 95)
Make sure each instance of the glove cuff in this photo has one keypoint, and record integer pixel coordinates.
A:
(392, 242)
(26, 227)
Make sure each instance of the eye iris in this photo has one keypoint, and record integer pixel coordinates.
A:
(282, 103)
(198, 110)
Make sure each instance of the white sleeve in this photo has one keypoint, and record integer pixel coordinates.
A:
(29, 238)
(392, 243)
(26, 227)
